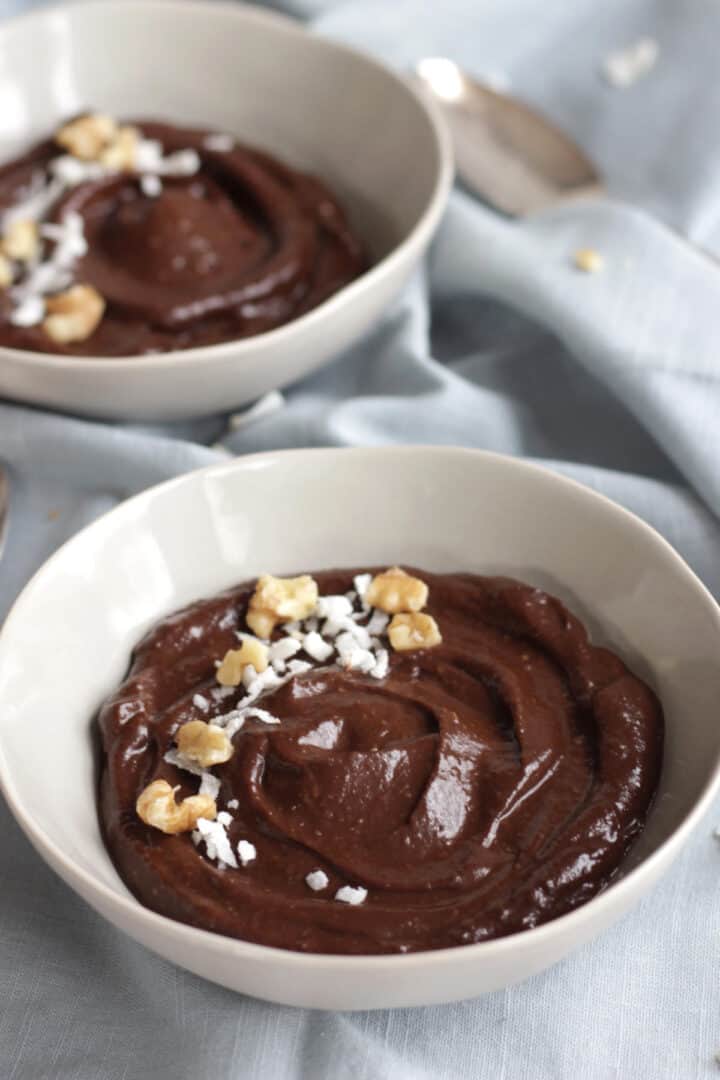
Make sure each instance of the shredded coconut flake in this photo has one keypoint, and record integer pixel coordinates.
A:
(219, 142)
(148, 155)
(316, 646)
(332, 627)
(361, 584)
(195, 632)
(234, 721)
(217, 842)
(247, 852)
(70, 171)
(249, 676)
(151, 185)
(51, 275)
(317, 880)
(40, 196)
(623, 67)
(266, 680)
(69, 237)
(149, 158)
(174, 757)
(382, 664)
(200, 702)
(285, 648)
(361, 636)
(233, 804)
(251, 713)
(352, 655)
(333, 607)
(219, 693)
(29, 312)
(377, 623)
(298, 667)
(209, 785)
(349, 894)
(269, 678)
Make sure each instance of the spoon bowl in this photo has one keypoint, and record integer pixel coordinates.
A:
(505, 151)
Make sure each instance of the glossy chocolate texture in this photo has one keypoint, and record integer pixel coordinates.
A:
(242, 246)
(485, 786)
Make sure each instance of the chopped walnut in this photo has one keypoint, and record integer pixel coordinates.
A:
(206, 744)
(261, 623)
(73, 315)
(588, 260)
(278, 600)
(6, 272)
(21, 240)
(120, 154)
(415, 631)
(394, 591)
(88, 136)
(156, 806)
(235, 661)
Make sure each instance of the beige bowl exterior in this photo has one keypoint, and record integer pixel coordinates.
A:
(317, 104)
(67, 642)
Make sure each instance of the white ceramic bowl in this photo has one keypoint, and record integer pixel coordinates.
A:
(316, 104)
(67, 642)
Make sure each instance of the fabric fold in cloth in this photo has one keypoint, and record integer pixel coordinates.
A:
(498, 342)
(630, 326)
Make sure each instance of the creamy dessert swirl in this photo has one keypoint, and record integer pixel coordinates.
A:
(408, 761)
(127, 239)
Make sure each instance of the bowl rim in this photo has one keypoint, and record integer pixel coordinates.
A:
(281, 335)
(128, 910)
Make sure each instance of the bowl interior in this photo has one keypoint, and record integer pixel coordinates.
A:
(315, 104)
(67, 642)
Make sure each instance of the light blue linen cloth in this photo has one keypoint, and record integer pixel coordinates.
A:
(612, 378)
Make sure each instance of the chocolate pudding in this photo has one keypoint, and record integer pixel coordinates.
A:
(118, 240)
(375, 762)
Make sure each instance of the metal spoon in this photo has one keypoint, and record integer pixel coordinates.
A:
(508, 153)
(505, 151)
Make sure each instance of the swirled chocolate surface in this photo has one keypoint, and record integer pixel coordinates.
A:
(239, 247)
(483, 787)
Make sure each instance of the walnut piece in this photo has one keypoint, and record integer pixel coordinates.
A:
(279, 600)
(415, 631)
(121, 152)
(156, 806)
(206, 744)
(6, 272)
(235, 661)
(21, 240)
(73, 315)
(88, 136)
(588, 260)
(394, 591)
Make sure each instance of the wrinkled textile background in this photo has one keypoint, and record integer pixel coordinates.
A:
(499, 343)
